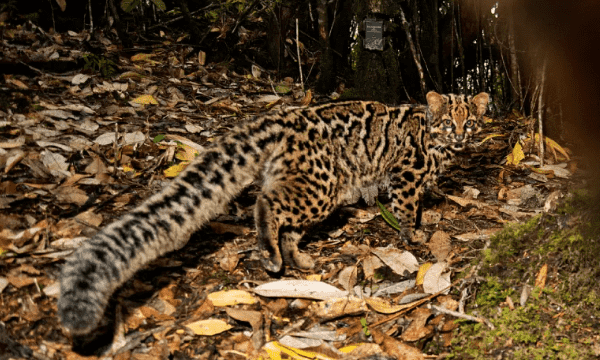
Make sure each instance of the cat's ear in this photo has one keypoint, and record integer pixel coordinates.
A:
(480, 102)
(435, 101)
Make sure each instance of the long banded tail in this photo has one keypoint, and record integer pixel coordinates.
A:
(161, 224)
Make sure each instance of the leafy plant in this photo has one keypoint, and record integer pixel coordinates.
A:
(363, 322)
(388, 216)
(129, 5)
(107, 68)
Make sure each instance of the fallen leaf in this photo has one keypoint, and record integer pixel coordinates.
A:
(337, 307)
(385, 307)
(231, 297)
(440, 245)
(540, 279)
(300, 289)
(418, 329)
(395, 348)
(209, 327)
(421, 274)
(347, 277)
(434, 279)
(399, 261)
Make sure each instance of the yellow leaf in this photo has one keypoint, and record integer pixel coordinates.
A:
(129, 170)
(551, 144)
(307, 98)
(490, 136)
(145, 100)
(421, 274)
(275, 350)
(142, 57)
(540, 279)
(208, 327)
(186, 153)
(131, 75)
(540, 171)
(516, 156)
(175, 169)
(384, 307)
(349, 348)
(231, 297)
(487, 120)
(517, 114)
(314, 277)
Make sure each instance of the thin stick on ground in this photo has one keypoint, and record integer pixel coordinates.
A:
(460, 315)
(298, 51)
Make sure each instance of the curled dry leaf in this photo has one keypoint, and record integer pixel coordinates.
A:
(362, 351)
(337, 307)
(418, 329)
(231, 297)
(370, 266)
(13, 158)
(347, 277)
(385, 307)
(421, 274)
(440, 245)
(396, 288)
(300, 289)
(435, 280)
(70, 194)
(399, 261)
(395, 348)
(299, 343)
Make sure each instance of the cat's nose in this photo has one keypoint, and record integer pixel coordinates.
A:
(459, 137)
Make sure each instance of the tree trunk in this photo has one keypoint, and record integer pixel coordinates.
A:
(326, 82)
(515, 84)
(435, 48)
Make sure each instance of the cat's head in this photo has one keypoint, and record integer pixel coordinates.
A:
(454, 120)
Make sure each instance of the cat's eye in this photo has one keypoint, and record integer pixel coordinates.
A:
(469, 123)
(448, 122)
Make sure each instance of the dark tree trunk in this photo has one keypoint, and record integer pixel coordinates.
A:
(326, 82)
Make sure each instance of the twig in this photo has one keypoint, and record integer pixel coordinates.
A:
(243, 16)
(299, 59)
(317, 41)
(91, 17)
(115, 149)
(85, 223)
(133, 340)
(413, 50)
(457, 314)
(540, 110)
(181, 17)
(58, 77)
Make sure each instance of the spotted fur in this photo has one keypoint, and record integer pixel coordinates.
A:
(307, 161)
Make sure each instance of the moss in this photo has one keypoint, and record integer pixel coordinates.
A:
(544, 328)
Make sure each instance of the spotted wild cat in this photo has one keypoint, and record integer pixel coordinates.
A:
(307, 162)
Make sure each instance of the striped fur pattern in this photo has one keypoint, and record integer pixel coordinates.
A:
(307, 161)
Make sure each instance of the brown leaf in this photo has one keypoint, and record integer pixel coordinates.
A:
(96, 166)
(370, 265)
(347, 277)
(20, 281)
(70, 194)
(228, 258)
(540, 279)
(396, 349)
(440, 245)
(417, 329)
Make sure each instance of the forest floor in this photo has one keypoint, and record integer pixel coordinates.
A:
(506, 265)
